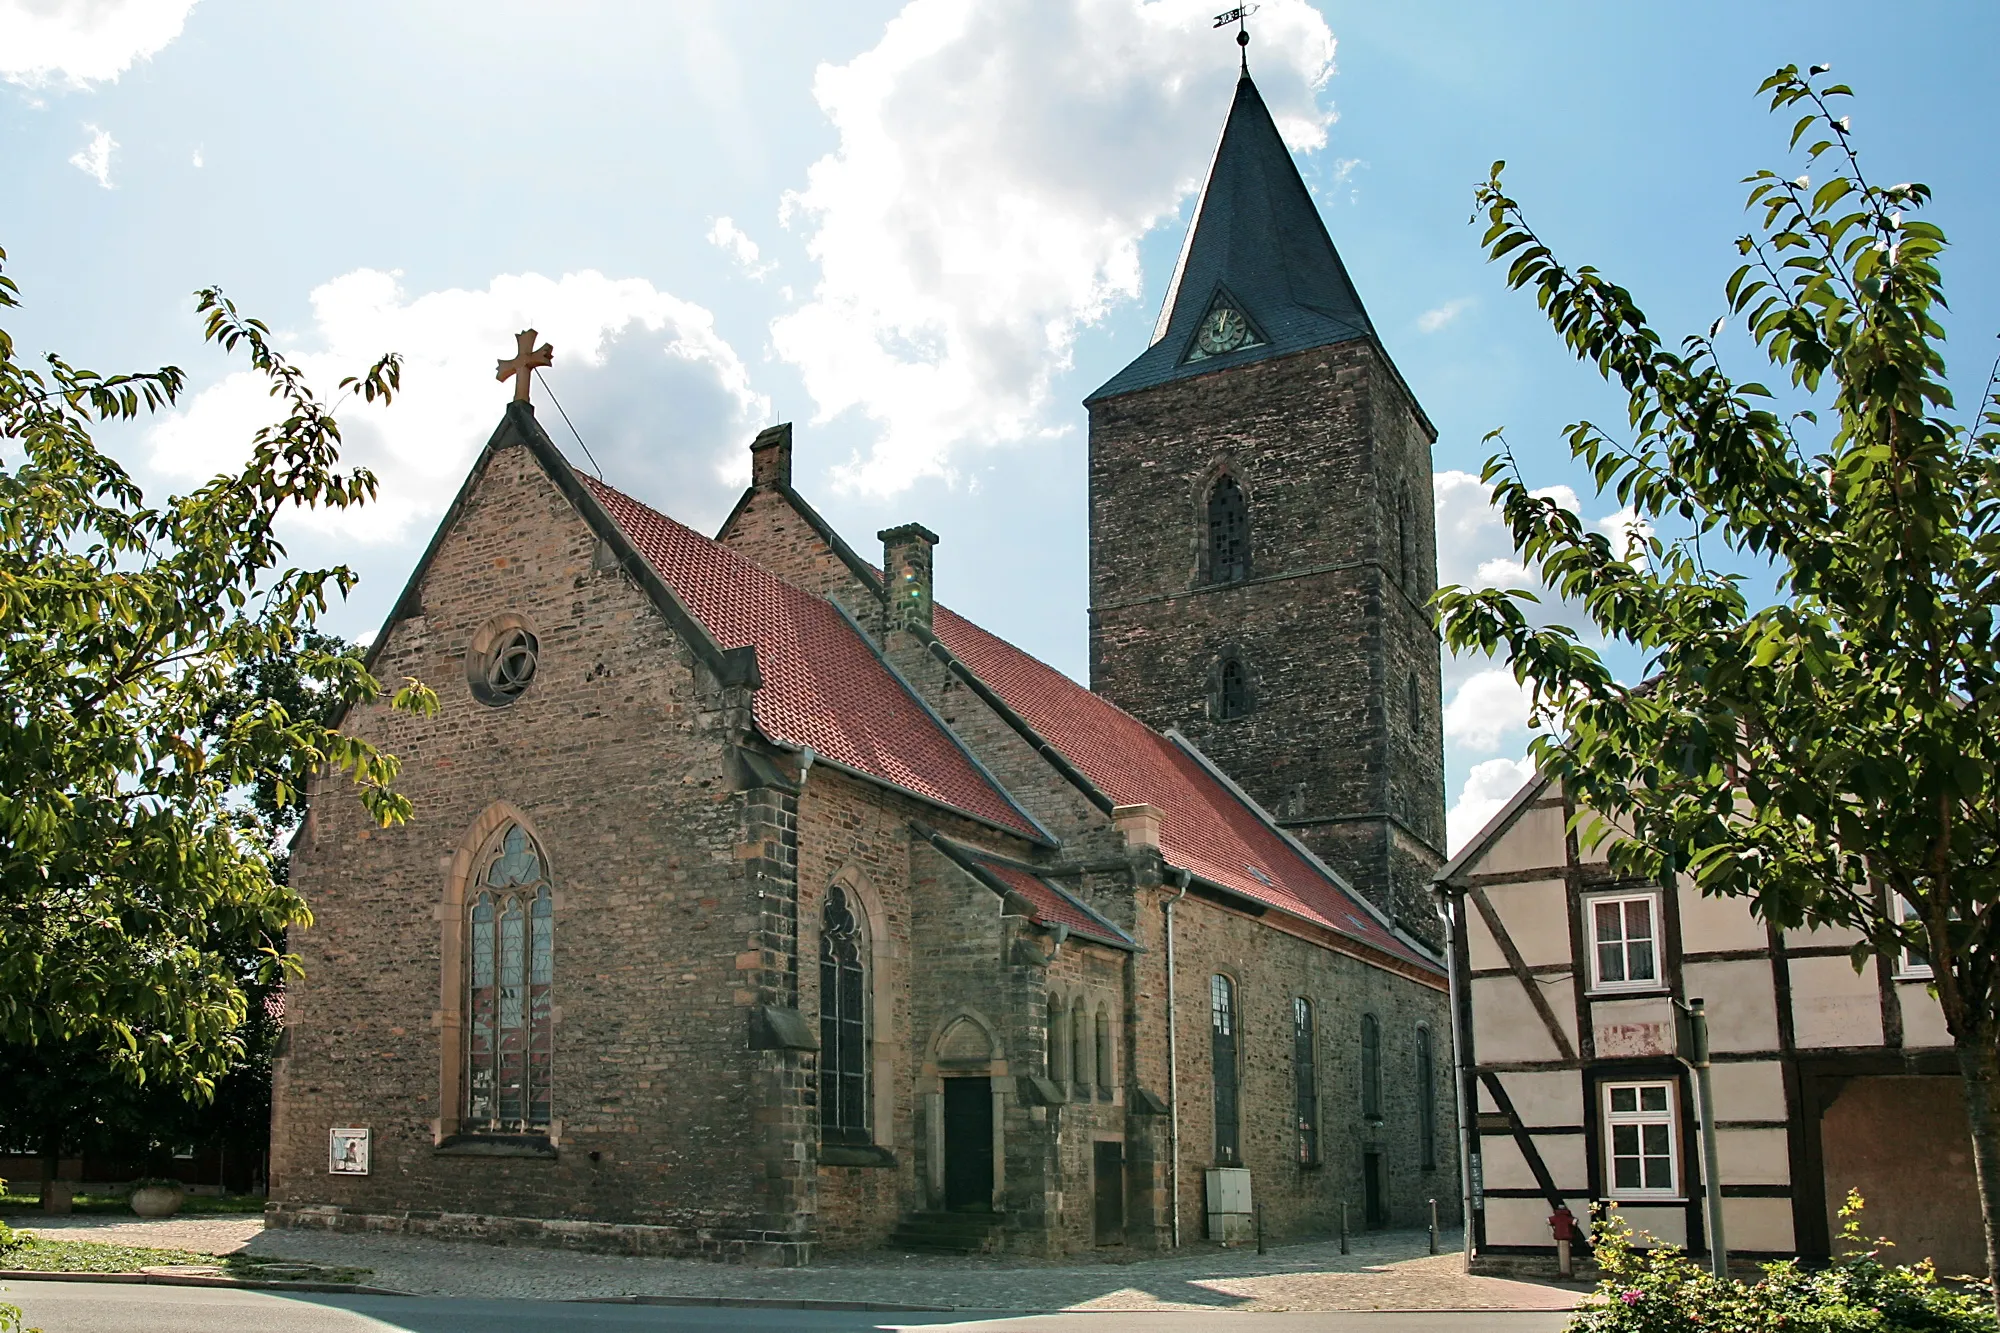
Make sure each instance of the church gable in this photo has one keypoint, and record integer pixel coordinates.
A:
(778, 529)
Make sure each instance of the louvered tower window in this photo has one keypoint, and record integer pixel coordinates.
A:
(843, 1023)
(1228, 532)
(510, 976)
(1235, 688)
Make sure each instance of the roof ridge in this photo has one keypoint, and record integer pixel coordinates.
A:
(979, 765)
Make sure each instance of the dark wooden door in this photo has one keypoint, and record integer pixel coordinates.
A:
(968, 1144)
(1375, 1199)
(1109, 1180)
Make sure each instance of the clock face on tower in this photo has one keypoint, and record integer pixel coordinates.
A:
(1223, 329)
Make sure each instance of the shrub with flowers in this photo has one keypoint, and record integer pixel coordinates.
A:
(1660, 1290)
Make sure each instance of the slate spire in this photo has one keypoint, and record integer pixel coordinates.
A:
(1258, 276)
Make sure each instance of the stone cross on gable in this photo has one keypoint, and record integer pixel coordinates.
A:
(527, 357)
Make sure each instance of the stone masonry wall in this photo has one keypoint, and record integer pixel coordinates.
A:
(613, 759)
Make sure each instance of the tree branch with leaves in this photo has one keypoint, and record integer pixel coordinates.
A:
(1816, 730)
(127, 750)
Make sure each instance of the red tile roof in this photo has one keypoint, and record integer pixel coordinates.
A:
(1052, 905)
(1205, 828)
(823, 685)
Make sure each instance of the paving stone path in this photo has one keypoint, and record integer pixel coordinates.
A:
(1386, 1271)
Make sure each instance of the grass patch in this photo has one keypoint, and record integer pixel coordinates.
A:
(39, 1255)
(11, 1205)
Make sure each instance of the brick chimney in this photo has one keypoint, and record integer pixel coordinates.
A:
(906, 575)
(771, 457)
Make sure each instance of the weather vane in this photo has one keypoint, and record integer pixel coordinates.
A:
(1239, 16)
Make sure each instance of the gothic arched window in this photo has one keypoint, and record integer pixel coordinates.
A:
(1228, 532)
(1405, 538)
(510, 973)
(1058, 1041)
(1222, 1050)
(1233, 691)
(1427, 1152)
(843, 1022)
(1106, 1067)
(1305, 1079)
(1081, 1048)
(1371, 1068)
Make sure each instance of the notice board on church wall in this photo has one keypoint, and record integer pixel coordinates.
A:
(347, 1152)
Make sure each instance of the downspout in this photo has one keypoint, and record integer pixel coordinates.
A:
(1446, 913)
(1173, 1057)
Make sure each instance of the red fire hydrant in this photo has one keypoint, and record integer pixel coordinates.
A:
(1562, 1225)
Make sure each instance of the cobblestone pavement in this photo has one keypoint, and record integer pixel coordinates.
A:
(220, 1233)
(1386, 1271)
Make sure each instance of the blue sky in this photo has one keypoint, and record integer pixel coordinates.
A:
(922, 231)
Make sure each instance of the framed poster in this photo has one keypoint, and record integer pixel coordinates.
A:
(347, 1152)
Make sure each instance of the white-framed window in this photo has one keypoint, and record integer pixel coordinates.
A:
(1910, 962)
(1639, 1141)
(1625, 941)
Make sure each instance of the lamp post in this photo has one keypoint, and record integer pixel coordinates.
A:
(1694, 1048)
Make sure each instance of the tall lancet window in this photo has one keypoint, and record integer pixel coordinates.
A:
(1228, 532)
(509, 979)
(843, 1023)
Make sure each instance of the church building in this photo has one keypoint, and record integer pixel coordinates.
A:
(754, 903)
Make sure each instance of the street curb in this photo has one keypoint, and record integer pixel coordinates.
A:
(765, 1303)
(184, 1280)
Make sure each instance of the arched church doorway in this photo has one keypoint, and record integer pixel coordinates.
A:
(968, 1144)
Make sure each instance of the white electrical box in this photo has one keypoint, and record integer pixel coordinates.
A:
(1230, 1218)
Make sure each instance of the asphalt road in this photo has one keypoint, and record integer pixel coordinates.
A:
(85, 1307)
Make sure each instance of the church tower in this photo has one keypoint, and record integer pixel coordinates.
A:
(1262, 542)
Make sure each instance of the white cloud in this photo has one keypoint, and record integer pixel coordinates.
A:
(197, 158)
(1488, 706)
(94, 158)
(663, 401)
(998, 164)
(1433, 320)
(1628, 532)
(725, 235)
(1488, 786)
(80, 42)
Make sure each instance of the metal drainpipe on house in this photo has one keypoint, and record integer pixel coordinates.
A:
(1448, 916)
(1173, 1059)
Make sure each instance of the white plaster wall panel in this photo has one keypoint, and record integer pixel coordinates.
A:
(1752, 1090)
(1709, 925)
(1537, 919)
(1533, 843)
(1753, 1156)
(1666, 1223)
(1831, 1006)
(1742, 1003)
(1506, 1027)
(1923, 1016)
(1551, 1098)
(1758, 1224)
(1526, 1221)
(1637, 1027)
(1562, 1154)
(1841, 936)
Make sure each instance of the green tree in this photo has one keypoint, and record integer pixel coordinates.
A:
(1818, 728)
(132, 863)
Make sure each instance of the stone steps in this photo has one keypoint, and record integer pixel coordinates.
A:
(948, 1233)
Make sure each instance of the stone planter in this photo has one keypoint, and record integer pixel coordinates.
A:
(158, 1200)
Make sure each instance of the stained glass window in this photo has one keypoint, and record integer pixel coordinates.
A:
(510, 977)
(1427, 1148)
(1080, 1047)
(1106, 1062)
(1305, 1078)
(1058, 1041)
(1371, 1067)
(1222, 1050)
(1228, 532)
(843, 1023)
